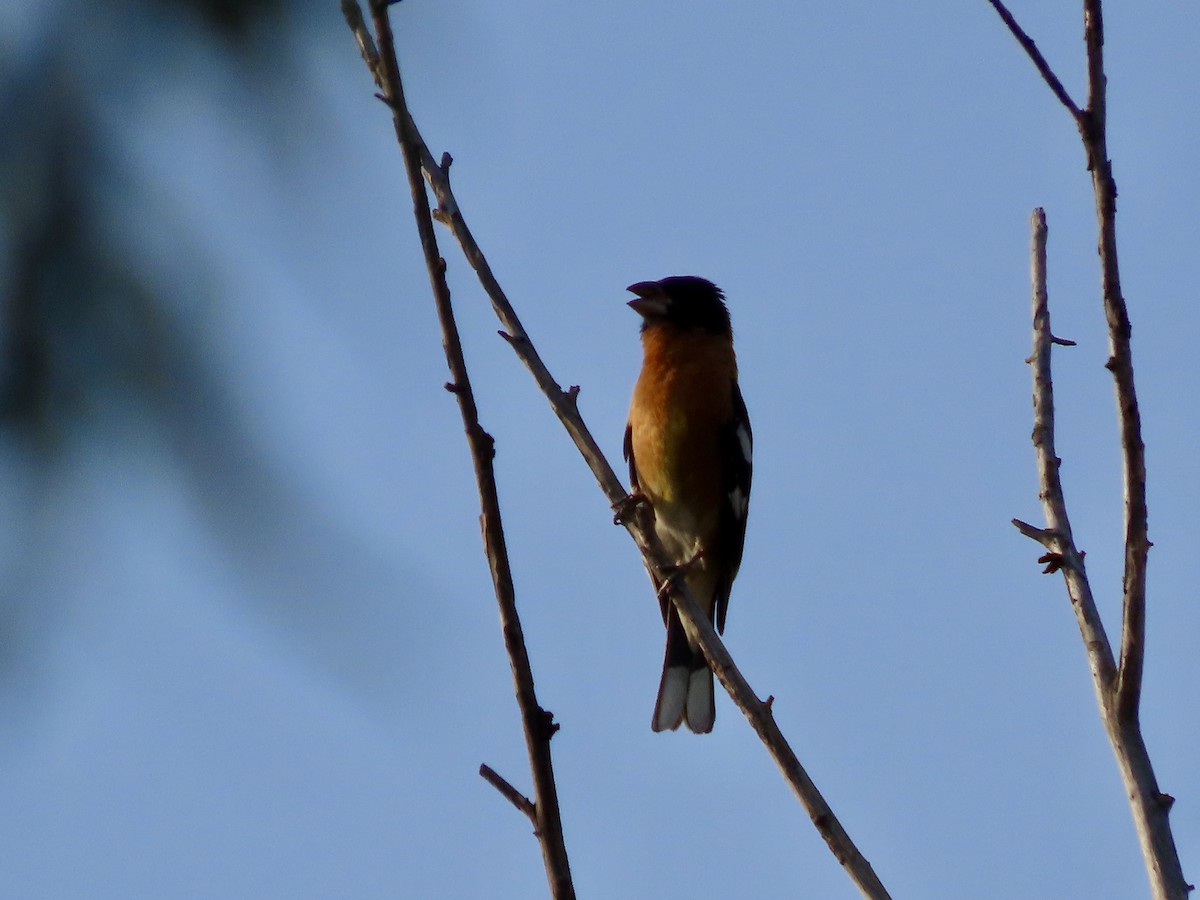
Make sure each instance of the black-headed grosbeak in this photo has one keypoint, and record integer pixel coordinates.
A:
(689, 445)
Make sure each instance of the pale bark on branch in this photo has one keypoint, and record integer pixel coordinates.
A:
(1092, 123)
(1118, 684)
(382, 63)
(1149, 806)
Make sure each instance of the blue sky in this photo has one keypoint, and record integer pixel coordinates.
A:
(254, 647)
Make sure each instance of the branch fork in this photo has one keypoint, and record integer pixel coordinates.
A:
(1117, 686)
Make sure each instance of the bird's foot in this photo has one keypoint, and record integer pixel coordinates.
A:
(627, 507)
(672, 574)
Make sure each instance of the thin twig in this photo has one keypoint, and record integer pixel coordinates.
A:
(1043, 536)
(510, 793)
(538, 724)
(1038, 60)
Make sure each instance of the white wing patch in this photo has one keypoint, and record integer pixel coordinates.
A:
(744, 441)
(739, 496)
(739, 501)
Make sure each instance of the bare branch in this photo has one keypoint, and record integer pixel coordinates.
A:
(510, 793)
(1124, 733)
(1093, 130)
(562, 402)
(1092, 125)
(1118, 689)
(759, 713)
(1038, 60)
(1093, 36)
(1041, 535)
(538, 724)
(366, 44)
(1149, 812)
(1058, 525)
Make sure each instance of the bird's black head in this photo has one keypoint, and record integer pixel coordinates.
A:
(684, 301)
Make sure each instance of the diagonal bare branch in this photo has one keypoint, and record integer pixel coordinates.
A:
(761, 719)
(510, 793)
(1038, 60)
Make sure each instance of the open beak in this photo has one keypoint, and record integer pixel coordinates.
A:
(651, 302)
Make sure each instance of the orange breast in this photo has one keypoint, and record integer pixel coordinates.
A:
(681, 403)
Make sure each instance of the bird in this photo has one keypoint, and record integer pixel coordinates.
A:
(689, 447)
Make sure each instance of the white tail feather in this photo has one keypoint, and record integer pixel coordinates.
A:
(672, 698)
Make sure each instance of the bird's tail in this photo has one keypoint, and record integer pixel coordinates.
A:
(685, 693)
